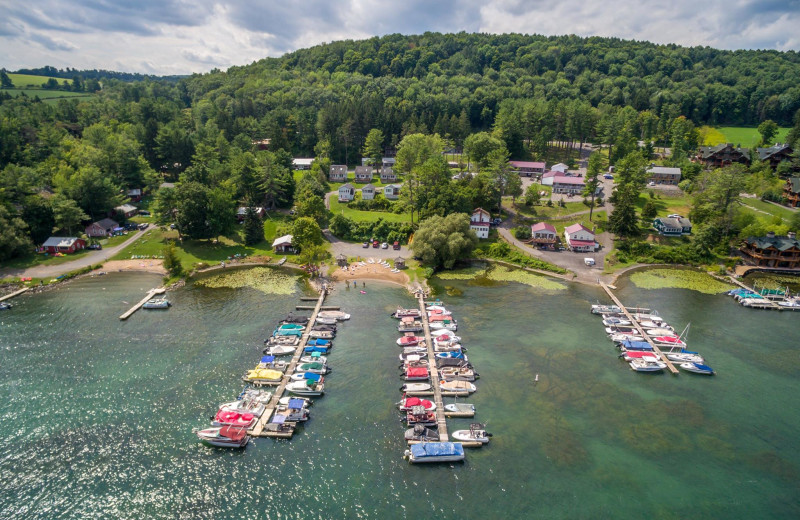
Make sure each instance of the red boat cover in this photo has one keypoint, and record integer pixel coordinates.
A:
(668, 339)
(417, 372)
(443, 337)
(416, 401)
(409, 319)
(409, 340)
(235, 433)
(632, 354)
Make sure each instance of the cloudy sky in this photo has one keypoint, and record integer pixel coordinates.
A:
(183, 36)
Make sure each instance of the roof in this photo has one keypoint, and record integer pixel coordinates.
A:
(480, 210)
(563, 179)
(795, 181)
(386, 170)
(364, 170)
(106, 223)
(392, 186)
(708, 151)
(673, 222)
(560, 167)
(368, 187)
(581, 243)
(542, 226)
(125, 208)
(167, 185)
(663, 170)
(284, 240)
(135, 191)
(574, 228)
(302, 161)
(547, 175)
(526, 164)
(339, 168)
(766, 153)
(59, 241)
(399, 259)
(779, 243)
(348, 186)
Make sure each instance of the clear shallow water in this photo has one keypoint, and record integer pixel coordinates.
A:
(98, 414)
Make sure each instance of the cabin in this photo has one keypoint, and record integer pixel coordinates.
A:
(792, 191)
(65, 245)
(338, 173)
(363, 173)
(544, 234)
(283, 244)
(772, 251)
(341, 260)
(392, 191)
(664, 175)
(399, 263)
(302, 163)
(547, 178)
(135, 194)
(569, 185)
(774, 155)
(101, 228)
(672, 226)
(126, 210)
(528, 168)
(722, 155)
(368, 192)
(480, 221)
(347, 192)
(560, 167)
(241, 213)
(579, 238)
(388, 162)
(388, 175)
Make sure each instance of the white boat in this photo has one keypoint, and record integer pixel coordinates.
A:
(648, 324)
(457, 373)
(619, 338)
(476, 433)
(406, 313)
(408, 402)
(337, 315)
(660, 331)
(279, 350)
(439, 333)
(605, 309)
(322, 334)
(295, 410)
(644, 365)
(157, 303)
(683, 357)
(414, 350)
(460, 408)
(410, 356)
(224, 437)
(326, 321)
(315, 367)
(448, 347)
(697, 368)
(613, 322)
(285, 400)
(451, 325)
(308, 387)
(314, 359)
(457, 386)
(437, 309)
(255, 395)
(415, 387)
(435, 452)
(790, 304)
(244, 406)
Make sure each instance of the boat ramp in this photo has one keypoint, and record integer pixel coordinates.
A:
(15, 293)
(150, 294)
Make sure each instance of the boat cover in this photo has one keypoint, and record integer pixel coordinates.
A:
(234, 433)
(296, 404)
(417, 372)
(316, 354)
(312, 366)
(312, 377)
(436, 449)
(703, 367)
(311, 382)
(278, 419)
(636, 345)
(312, 349)
(416, 401)
(319, 342)
(267, 359)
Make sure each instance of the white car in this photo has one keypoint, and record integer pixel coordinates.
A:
(385, 245)
(652, 183)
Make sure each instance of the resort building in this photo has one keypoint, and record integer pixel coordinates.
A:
(101, 228)
(775, 155)
(722, 155)
(64, 245)
(528, 168)
(547, 178)
(792, 191)
(363, 173)
(579, 238)
(302, 163)
(387, 174)
(338, 173)
(560, 167)
(544, 234)
(569, 185)
(347, 192)
(283, 244)
(772, 251)
(391, 191)
(479, 222)
(672, 226)
(368, 192)
(664, 175)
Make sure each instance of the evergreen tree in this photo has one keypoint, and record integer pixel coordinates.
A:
(253, 227)
(171, 261)
(623, 220)
(593, 169)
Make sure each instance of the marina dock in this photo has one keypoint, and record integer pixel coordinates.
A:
(144, 300)
(641, 330)
(434, 373)
(15, 293)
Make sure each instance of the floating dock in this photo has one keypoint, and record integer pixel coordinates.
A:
(15, 293)
(641, 330)
(138, 306)
(434, 373)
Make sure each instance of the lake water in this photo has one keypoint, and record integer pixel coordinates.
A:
(98, 414)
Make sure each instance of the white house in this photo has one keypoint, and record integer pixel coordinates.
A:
(560, 167)
(368, 192)
(301, 163)
(391, 191)
(564, 184)
(347, 192)
(479, 222)
(338, 173)
(387, 174)
(363, 173)
(283, 244)
(664, 175)
(579, 239)
(543, 234)
(547, 178)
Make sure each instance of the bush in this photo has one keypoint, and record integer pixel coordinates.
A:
(522, 232)
(347, 229)
(376, 204)
(502, 251)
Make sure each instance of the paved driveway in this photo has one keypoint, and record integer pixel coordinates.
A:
(350, 250)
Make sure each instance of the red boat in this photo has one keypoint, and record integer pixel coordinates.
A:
(416, 374)
(409, 402)
(670, 340)
(418, 415)
(638, 354)
(225, 437)
(409, 341)
(231, 418)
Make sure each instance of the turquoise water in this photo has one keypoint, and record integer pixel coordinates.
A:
(98, 416)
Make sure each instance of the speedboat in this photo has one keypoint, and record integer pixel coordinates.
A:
(476, 433)
(611, 322)
(323, 326)
(406, 313)
(244, 406)
(455, 354)
(409, 402)
(435, 452)
(415, 387)
(224, 437)
(604, 309)
(448, 347)
(793, 303)
(644, 365)
(261, 375)
(421, 433)
(452, 362)
(271, 362)
(444, 334)
(337, 315)
(313, 367)
(419, 349)
(412, 355)
(413, 360)
(4, 306)
(443, 322)
(255, 395)
(649, 324)
(419, 415)
(457, 386)
(659, 331)
(409, 341)
(458, 373)
(294, 410)
(410, 325)
(460, 408)
(315, 357)
(291, 326)
(321, 334)
(416, 374)
(308, 387)
(283, 340)
(279, 350)
(231, 418)
(293, 332)
(697, 368)
(291, 318)
(285, 400)
(311, 349)
(319, 342)
(437, 309)
(618, 338)
(630, 355)
(326, 321)
(156, 303)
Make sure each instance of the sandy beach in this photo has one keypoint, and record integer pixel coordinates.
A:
(147, 266)
(367, 271)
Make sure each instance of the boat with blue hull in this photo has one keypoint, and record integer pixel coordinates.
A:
(427, 452)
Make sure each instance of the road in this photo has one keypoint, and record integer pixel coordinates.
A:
(92, 258)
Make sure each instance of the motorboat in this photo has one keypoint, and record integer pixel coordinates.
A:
(611, 322)
(425, 452)
(649, 324)
(452, 362)
(319, 342)
(454, 354)
(406, 313)
(629, 331)
(457, 386)
(448, 347)
(416, 374)
(4, 306)
(285, 400)
(409, 402)
(464, 408)
(314, 348)
(476, 433)
(415, 387)
(437, 309)
(308, 387)
(287, 332)
(697, 368)
(443, 322)
(224, 437)
(793, 303)
(413, 360)
(659, 331)
(337, 315)
(246, 405)
(291, 341)
(321, 334)
(409, 340)
(635, 345)
(313, 367)
(604, 309)
(255, 395)
(419, 415)
(645, 365)
(157, 303)
(263, 375)
(271, 362)
(279, 350)
(291, 318)
(323, 326)
(294, 410)
(421, 434)
(685, 357)
(314, 357)
(326, 321)
(618, 338)
(412, 355)
(231, 418)
(410, 325)
(437, 301)
(444, 334)
(458, 373)
(291, 326)
(630, 355)
(419, 349)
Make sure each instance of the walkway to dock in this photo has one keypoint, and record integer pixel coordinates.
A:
(434, 373)
(644, 335)
(138, 306)
(15, 293)
(258, 429)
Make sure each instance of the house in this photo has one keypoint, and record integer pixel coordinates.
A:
(338, 173)
(664, 175)
(399, 263)
(775, 155)
(569, 185)
(283, 244)
(387, 174)
(347, 192)
(527, 168)
(241, 212)
(126, 210)
(391, 191)
(388, 162)
(135, 194)
(63, 245)
(579, 238)
(101, 228)
(772, 251)
(722, 155)
(479, 222)
(363, 173)
(543, 234)
(792, 191)
(560, 167)
(368, 192)
(672, 226)
(547, 178)
(302, 163)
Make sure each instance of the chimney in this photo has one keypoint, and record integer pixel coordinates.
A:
(792, 235)
(770, 234)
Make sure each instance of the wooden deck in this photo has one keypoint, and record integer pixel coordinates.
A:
(434, 373)
(15, 293)
(150, 294)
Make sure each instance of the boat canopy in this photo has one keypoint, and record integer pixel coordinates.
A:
(312, 377)
(296, 404)
(417, 372)
(278, 419)
(234, 433)
(436, 449)
(416, 401)
(319, 342)
(312, 366)
(313, 349)
(316, 355)
(268, 359)
(636, 345)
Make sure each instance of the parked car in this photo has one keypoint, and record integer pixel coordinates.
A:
(384, 246)
(496, 222)
(144, 213)
(143, 225)
(365, 245)
(396, 245)
(608, 176)
(375, 244)
(94, 246)
(651, 183)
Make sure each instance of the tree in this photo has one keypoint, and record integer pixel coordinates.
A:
(442, 241)
(593, 169)
(38, 215)
(192, 208)
(623, 220)
(253, 227)
(412, 152)
(313, 254)
(67, 214)
(221, 212)
(532, 195)
(171, 261)
(5, 81)
(164, 206)
(479, 146)
(14, 239)
(306, 232)
(340, 226)
(277, 183)
(716, 197)
(314, 207)
(649, 211)
(794, 221)
(373, 147)
(768, 130)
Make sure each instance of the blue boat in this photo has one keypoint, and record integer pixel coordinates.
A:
(697, 368)
(635, 345)
(278, 332)
(319, 342)
(435, 452)
(312, 349)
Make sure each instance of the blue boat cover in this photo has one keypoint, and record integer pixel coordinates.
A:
(268, 359)
(312, 377)
(316, 355)
(703, 367)
(434, 449)
(323, 350)
(278, 419)
(684, 351)
(296, 404)
(636, 345)
(319, 342)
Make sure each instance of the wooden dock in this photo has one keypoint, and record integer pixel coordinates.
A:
(138, 306)
(644, 335)
(434, 373)
(315, 309)
(15, 293)
(258, 429)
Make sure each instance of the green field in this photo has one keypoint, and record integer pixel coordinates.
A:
(764, 210)
(343, 209)
(747, 137)
(48, 96)
(26, 80)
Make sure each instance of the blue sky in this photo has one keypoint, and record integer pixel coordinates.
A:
(184, 36)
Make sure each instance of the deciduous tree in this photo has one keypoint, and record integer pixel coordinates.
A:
(442, 241)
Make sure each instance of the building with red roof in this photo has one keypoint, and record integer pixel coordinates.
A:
(579, 238)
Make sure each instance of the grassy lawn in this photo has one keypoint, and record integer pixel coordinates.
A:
(43, 259)
(46, 95)
(338, 208)
(546, 212)
(27, 80)
(666, 205)
(747, 137)
(772, 209)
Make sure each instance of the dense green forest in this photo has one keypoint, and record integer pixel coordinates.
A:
(64, 163)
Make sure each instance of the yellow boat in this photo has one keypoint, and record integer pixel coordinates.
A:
(263, 374)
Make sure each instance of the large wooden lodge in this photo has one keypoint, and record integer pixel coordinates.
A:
(772, 251)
